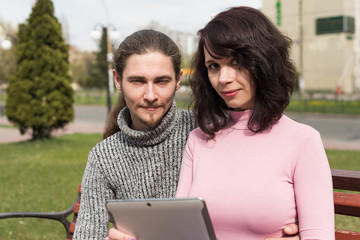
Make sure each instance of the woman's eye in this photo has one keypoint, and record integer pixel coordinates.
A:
(213, 66)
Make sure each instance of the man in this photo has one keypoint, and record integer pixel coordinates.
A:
(143, 159)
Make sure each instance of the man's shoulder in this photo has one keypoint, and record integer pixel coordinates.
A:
(187, 117)
(108, 150)
(108, 143)
(185, 113)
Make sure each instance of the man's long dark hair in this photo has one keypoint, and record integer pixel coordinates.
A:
(147, 41)
(249, 37)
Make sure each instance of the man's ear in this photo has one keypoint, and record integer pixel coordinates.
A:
(117, 80)
(178, 81)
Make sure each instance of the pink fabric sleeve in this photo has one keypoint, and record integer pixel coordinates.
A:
(186, 171)
(313, 191)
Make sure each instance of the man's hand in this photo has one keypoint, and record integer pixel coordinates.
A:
(291, 232)
(115, 234)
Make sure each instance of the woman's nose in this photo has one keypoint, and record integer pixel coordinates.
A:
(227, 75)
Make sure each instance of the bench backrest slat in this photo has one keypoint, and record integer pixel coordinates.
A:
(346, 203)
(346, 235)
(346, 179)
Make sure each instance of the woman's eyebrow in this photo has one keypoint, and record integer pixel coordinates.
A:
(209, 61)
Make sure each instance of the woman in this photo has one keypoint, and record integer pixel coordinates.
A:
(246, 159)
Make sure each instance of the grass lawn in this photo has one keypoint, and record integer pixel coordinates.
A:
(44, 176)
(6, 126)
(41, 176)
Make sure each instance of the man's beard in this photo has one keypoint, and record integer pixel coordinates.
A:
(152, 123)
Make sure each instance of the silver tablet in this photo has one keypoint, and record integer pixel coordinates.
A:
(162, 219)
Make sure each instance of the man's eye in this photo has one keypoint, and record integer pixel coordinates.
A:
(137, 81)
(162, 81)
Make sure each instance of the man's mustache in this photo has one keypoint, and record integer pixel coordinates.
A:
(150, 105)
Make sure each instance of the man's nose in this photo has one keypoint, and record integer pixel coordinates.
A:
(150, 93)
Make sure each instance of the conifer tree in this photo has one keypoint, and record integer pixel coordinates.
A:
(39, 95)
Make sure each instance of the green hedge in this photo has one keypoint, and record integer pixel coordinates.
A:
(324, 106)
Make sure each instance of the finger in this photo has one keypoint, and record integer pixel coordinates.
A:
(115, 234)
(291, 229)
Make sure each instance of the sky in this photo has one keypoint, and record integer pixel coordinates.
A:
(80, 17)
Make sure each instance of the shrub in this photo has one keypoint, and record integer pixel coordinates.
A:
(39, 95)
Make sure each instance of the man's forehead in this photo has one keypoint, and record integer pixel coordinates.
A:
(149, 65)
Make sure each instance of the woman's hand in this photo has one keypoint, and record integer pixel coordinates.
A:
(115, 234)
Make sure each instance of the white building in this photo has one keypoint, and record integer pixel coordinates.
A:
(326, 44)
(187, 42)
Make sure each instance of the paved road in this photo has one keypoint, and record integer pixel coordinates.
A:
(341, 132)
(335, 130)
(90, 114)
(87, 120)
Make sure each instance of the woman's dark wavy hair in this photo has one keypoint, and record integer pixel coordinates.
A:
(249, 37)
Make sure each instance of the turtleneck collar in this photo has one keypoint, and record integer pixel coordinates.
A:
(239, 119)
(151, 136)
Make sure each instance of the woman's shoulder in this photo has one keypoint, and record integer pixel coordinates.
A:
(293, 127)
(198, 134)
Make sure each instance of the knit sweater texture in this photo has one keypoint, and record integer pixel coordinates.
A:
(132, 165)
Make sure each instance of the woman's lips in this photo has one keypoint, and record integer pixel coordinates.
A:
(231, 93)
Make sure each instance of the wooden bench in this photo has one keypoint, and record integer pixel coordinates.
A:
(345, 204)
(57, 216)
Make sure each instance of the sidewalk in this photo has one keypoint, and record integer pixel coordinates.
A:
(9, 134)
(338, 145)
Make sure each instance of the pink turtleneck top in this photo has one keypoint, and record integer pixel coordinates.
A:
(256, 184)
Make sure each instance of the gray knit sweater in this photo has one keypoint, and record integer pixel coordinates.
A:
(132, 164)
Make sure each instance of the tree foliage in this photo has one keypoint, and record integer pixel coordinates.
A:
(81, 63)
(40, 96)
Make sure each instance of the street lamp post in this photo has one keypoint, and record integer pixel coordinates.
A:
(110, 34)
